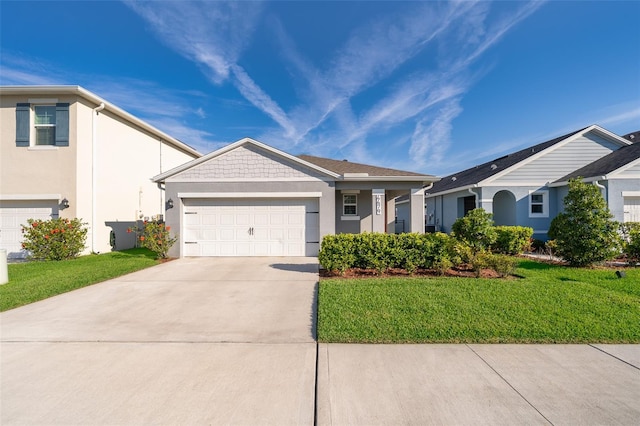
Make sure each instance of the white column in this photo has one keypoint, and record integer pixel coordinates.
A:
(416, 205)
(378, 204)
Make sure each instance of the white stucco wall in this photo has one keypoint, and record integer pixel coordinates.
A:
(127, 157)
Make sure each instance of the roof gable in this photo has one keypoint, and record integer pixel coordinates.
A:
(613, 163)
(245, 159)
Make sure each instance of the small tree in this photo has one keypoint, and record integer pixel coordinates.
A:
(476, 230)
(585, 232)
(156, 237)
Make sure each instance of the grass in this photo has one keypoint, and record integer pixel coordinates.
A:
(550, 304)
(33, 281)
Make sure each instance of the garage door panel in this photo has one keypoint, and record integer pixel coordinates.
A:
(250, 227)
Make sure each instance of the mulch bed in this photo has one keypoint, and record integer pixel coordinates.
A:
(463, 271)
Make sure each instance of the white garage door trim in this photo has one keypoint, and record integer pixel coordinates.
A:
(185, 195)
(631, 209)
(250, 226)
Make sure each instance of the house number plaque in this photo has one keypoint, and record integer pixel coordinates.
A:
(378, 204)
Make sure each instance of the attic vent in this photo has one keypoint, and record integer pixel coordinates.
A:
(454, 178)
(345, 160)
(533, 150)
(493, 167)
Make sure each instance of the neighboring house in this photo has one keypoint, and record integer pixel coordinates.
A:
(249, 199)
(618, 176)
(65, 152)
(517, 188)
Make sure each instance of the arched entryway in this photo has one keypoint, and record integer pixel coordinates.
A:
(504, 208)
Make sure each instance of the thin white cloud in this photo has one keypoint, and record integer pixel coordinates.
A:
(213, 34)
(254, 94)
(432, 136)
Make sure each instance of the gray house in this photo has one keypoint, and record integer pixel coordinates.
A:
(618, 177)
(527, 187)
(250, 199)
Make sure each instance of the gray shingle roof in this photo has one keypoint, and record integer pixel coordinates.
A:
(343, 166)
(606, 164)
(481, 172)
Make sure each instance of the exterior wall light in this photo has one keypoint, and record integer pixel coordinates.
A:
(169, 204)
(64, 204)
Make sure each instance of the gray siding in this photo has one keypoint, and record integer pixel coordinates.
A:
(560, 161)
(634, 170)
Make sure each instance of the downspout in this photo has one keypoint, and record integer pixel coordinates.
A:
(603, 189)
(475, 195)
(94, 174)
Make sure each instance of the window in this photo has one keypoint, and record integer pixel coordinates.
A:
(45, 124)
(539, 204)
(349, 204)
(42, 124)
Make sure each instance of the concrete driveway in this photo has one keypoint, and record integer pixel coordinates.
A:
(192, 341)
(231, 341)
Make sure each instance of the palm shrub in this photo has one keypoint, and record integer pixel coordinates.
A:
(54, 239)
(585, 233)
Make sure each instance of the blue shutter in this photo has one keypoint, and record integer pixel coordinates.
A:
(23, 112)
(62, 124)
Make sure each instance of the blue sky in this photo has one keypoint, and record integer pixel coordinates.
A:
(426, 86)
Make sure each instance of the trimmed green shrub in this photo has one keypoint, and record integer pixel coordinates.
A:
(337, 252)
(383, 251)
(585, 232)
(54, 239)
(375, 250)
(512, 239)
(475, 229)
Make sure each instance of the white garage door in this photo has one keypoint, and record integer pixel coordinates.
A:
(251, 227)
(632, 209)
(13, 214)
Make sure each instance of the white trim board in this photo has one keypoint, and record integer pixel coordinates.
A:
(249, 194)
(29, 197)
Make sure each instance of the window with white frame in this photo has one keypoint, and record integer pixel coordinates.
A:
(539, 204)
(349, 204)
(42, 123)
(45, 124)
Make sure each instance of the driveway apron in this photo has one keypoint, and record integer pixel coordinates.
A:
(194, 340)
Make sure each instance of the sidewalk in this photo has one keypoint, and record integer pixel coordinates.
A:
(478, 384)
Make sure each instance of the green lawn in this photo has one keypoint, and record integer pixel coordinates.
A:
(33, 281)
(551, 304)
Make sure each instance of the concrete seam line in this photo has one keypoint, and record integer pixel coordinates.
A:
(509, 384)
(315, 395)
(613, 356)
